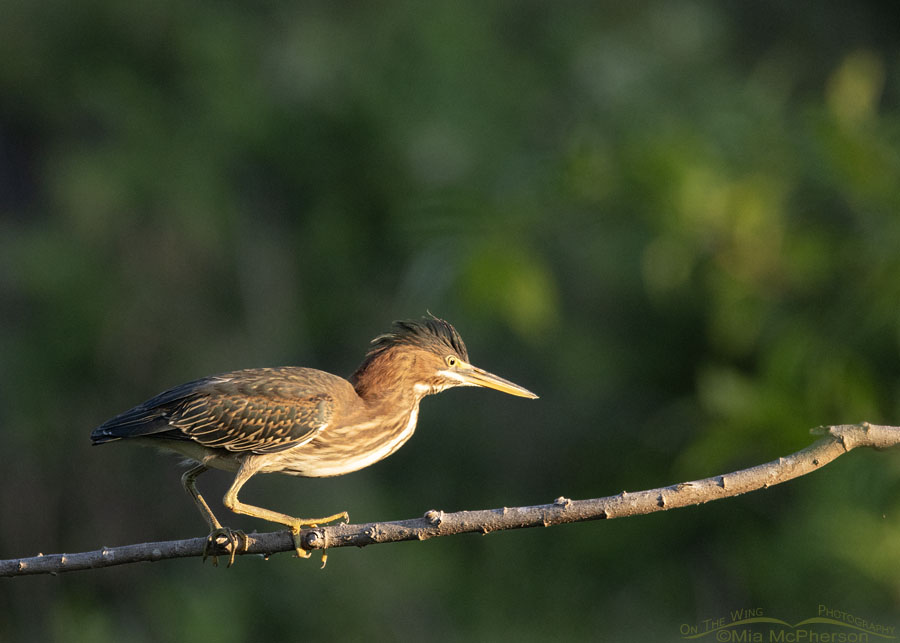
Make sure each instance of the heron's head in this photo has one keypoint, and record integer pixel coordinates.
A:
(425, 356)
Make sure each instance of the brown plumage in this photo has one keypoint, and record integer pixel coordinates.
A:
(302, 421)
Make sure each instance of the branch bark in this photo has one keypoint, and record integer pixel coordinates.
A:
(838, 440)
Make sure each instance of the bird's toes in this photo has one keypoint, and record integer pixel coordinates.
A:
(232, 540)
(298, 542)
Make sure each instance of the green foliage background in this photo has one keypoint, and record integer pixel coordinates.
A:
(679, 223)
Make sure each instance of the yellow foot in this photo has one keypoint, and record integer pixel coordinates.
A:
(232, 536)
(313, 522)
(298, 544)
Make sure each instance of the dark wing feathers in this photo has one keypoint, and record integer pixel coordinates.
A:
(257, 423)
(148, 418)
(258, 410)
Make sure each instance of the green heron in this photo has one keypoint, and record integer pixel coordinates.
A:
(302, 421)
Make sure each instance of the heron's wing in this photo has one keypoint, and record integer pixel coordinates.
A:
(256, 410)
(264, 418)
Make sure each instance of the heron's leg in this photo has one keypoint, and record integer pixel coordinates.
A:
(188, 481)
(250, 467)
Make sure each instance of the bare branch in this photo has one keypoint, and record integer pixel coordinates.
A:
(839, 440)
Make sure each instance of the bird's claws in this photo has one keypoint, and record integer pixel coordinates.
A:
(312, 524)
(298, 544)
(232, 537)
(305, 553)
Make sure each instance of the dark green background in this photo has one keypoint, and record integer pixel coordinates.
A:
(678, 222)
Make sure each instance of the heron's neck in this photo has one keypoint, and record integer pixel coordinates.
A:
(385, 382)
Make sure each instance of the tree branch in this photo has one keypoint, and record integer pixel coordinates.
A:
(839, 440)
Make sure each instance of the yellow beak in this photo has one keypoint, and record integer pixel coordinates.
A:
(469, 375)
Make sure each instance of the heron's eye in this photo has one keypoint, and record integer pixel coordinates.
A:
(452, 361)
